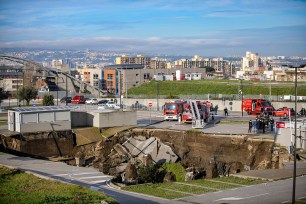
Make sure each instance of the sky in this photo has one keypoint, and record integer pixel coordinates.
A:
(180, 27)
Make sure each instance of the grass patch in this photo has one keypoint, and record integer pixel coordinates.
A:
(177, 169)
(19, 187)
(174, 190)
(155, 190)
(233, 122)
(241, 181)
(211, 184)
(187, 87)
(3, 122)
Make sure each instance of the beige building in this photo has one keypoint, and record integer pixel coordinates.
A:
(222, 67)
(289, 75)
(139, 59)
(250, 62)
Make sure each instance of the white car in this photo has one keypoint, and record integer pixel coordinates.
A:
(112, 105)
(102, 107)
(91, 101)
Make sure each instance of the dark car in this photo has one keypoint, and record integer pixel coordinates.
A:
(104, 101)
(65, 99)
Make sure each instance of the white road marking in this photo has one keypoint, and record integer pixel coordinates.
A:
(90, 177)
(99, 181)
(238, 198)
(75, 174)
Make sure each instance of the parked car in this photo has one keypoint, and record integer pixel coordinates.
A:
(65, 99)
(103, 101)
(284, 112)
(112, 105)
(102, 106)
(78, 99)
(92, 101)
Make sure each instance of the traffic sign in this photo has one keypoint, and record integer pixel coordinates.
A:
(280, 125)
(150, 104)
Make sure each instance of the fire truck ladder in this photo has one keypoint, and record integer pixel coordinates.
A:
(197, 122)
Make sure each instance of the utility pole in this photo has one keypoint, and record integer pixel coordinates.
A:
(157, 95)
(270, 90)
(57, 89)
(66, 89)
(295, 132)
(241, 92)
(17, 71)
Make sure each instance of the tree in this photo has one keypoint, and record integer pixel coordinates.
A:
(209, 69)
(2, 94)
(48, 100)
(27, 93)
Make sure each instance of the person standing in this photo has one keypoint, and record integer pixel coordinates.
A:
(225, 111)
(250, 126)
(271, 124)
(216, 109)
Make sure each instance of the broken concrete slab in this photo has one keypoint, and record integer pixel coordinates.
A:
(121, 150)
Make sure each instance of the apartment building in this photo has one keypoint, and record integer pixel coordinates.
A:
(11, 78)
(251, 62)
(139, 59)
(222, 67)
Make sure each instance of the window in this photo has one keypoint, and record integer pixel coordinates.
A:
(109, 84)
(96, 83)
(96, 76)
(146, 76)
(109, 76)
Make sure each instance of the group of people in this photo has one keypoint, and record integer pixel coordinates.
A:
(260, 124)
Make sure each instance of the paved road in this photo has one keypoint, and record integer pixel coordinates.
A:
(274, 192)
(83, 176)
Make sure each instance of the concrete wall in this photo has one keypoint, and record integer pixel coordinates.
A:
(118, 118)
(103, 119)
(236, 104)
(45, 126)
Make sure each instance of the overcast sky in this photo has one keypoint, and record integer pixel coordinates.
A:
(187, 27)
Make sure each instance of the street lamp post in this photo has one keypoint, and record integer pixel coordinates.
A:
(241, 92)
(295, 131)
(57, 89)
(66, 89)
(17, 71)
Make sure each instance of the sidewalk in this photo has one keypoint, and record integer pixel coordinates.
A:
(275, 174)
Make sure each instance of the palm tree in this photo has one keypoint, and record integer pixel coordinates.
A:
(27, 93)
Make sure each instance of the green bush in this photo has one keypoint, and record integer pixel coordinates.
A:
(48, 100)
(150, 174)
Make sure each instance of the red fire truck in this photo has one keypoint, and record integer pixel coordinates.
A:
(256, 106)
(173, 110)
(204, 110)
